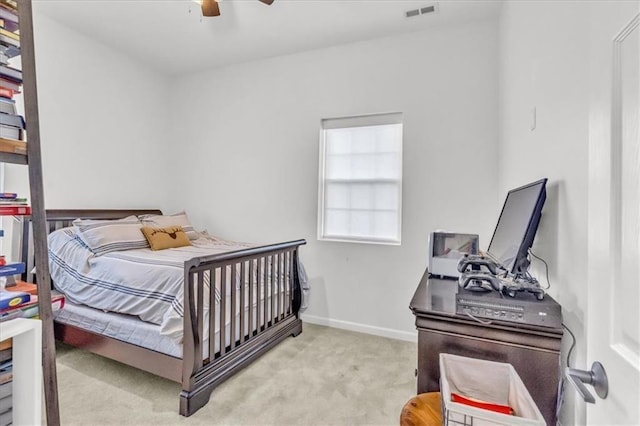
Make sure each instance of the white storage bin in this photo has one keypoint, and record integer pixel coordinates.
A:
(495, 382)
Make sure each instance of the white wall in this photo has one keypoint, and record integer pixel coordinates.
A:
(102, 122)
(544, 64)
(248, 139)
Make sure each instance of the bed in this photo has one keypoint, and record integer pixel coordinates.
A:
(234, 306)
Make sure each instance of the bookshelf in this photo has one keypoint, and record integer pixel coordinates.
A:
(29, 154)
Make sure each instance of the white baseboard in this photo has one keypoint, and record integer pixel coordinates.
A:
(362, 328)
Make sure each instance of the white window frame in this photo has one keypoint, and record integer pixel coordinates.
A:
(358, 121)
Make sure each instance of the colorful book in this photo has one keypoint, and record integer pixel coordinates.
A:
(7, 93)
(8, 106)
(8, 16)
(6, 403)
(9, 50)
(9, 73)
(30, 309)
(9, 84)
(9, 4)
(6, 390)
(15, 210)
(9, 41)
(12, 120)
(6, 374)
(14, 27)
(10, 132)
(7, 33)
(14, 201)
(12, 269)
(8, 195)
(5, 355)
(13, 299)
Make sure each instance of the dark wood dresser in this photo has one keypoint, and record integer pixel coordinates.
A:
(534, 351)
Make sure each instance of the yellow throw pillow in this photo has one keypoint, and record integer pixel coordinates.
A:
(164, 238)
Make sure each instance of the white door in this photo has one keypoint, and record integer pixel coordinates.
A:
(613, 325)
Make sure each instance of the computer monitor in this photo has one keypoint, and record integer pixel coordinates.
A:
(517, 227)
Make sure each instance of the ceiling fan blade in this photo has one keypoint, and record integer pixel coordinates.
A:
(210, 8)
(267, 1)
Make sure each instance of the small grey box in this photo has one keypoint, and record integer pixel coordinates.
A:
(446, 249)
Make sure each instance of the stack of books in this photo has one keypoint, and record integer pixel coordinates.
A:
(28, 307)
(12, 125)
(12, 205)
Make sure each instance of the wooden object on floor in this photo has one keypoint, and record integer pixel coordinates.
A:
(424, 409)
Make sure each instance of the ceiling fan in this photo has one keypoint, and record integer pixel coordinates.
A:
(211, 7)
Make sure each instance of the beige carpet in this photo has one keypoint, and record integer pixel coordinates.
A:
(325, 376)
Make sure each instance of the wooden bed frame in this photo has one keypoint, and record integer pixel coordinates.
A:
(276, 319)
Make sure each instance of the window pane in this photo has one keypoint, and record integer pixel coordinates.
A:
(386, 224)
(337, 222)
(338, 196)
(364, 140)
(386, 197)
(363, 166)
(339, 167)
(361, 224)
(338, 141)
(387, 166)
(362, 196)
(389, 138)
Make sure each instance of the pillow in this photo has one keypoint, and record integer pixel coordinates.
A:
(105, 236)
(163, 221)
(80, 224)
(164, 238)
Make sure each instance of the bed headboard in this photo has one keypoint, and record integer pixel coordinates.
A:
(58, 219)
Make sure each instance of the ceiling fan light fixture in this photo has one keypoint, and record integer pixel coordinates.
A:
(210, 8)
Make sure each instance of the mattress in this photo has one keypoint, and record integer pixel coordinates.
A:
(130, 329)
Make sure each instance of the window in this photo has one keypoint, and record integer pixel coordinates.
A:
(360, 188)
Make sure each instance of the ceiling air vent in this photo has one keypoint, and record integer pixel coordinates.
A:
(421, 11)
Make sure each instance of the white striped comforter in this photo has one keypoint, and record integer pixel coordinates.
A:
(144, 283)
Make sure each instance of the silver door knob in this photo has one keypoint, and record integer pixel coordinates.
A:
(597, 377)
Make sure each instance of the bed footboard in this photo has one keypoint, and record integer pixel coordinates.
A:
(254, 298)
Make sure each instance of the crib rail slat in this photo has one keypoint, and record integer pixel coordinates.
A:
(242, 302)
(252, 282)
(281, 290)
(223, 309)
(265, 290)
(274, 281)
(259, 291)
(232, 310)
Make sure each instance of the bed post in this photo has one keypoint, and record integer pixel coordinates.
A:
(297, 292)
(191, 347)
